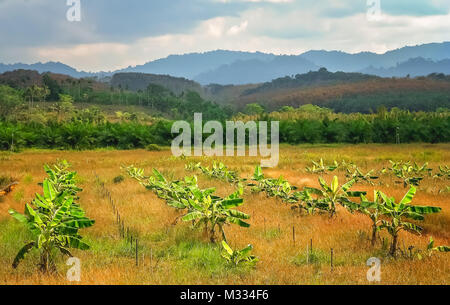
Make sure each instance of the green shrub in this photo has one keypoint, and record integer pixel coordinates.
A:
(118, 179)
(153, 147)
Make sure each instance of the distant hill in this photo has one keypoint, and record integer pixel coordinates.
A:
(413, 67)
(364, 95)
(312, 78)
(235, 67)
(53, 67)
(140, 81)
(193, 64)
(256, 71)
(341, 61)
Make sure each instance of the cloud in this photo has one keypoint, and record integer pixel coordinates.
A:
(115, 34)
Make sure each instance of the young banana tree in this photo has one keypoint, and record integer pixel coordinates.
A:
(358, 176)
(280, 187)
(431, 248)
(218, 171)
(412, 175)
(396, 213)
(213, 213)
(444, 172)
(62, 178)
(238, 257)
(303, 200)
(54, 221)
(335, 194)
(320, 168)
(374, 210)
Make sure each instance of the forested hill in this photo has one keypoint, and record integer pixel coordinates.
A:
(340, 91)
(365, 96)
(140, 81)
(312, 78)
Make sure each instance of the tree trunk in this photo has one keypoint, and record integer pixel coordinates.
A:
(374, 235)
(394, 245)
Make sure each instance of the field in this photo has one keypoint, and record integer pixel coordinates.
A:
(177, 254)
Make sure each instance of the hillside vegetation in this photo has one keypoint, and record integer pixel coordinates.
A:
(360, 94)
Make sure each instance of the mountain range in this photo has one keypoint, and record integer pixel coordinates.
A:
(236, 67)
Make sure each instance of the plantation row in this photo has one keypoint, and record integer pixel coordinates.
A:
(384, 212)
(201, 207)
(406, 172)
(404, 128)
(54, 219)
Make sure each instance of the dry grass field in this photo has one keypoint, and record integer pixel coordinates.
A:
(178, 255)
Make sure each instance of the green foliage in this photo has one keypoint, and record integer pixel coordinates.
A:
(411, 174)
(279, 188)
(238, 257)
(359, 176)
(153, 147)
(9, 99)
(388, 215)
(304, 201)
(334, 194)
(320, 168)
(444, 172)
(118, 179)
(54, 219)
(431, 248)
(253, 109)
(218, 171)
(54, 88)
(201, 206)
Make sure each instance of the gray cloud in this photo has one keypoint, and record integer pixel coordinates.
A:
(116, 33)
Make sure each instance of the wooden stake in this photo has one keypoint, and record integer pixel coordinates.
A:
(293, 234)
(151, 259)
(331, 259)
(311, 247)
(137, 253)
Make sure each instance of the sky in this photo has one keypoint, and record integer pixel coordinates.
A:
(114, 34)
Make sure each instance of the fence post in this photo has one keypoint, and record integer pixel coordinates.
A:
(293, 234)
(137, 253)
(307, 254)
(331, 259)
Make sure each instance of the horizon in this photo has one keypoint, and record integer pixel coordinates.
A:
(217, 50)
(106, 36)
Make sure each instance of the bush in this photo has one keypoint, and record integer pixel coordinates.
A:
(153, 147)
(118, 179)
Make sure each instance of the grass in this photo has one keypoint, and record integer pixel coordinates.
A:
(177, 255)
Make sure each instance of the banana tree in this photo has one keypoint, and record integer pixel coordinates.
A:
(374, 210)
(280, 187)
(431, 248)
(358, 176)
(238, 257)
(54, 221)
(218, 171)
(396, 213)
(444, 172)
(335, 194)
(303, 200)
(412, 175)
(62, 178)
(213, 213)
(320, 168)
